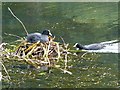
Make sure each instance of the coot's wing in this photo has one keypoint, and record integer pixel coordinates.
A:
(44, 38)
(34, 37)
(96, 46)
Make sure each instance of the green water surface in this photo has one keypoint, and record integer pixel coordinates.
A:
(80, 22)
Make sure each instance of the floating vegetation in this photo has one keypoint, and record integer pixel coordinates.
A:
(45, 55)
(38, 54)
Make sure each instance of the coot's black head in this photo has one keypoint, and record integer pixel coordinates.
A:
(79, 46)
(47, 32)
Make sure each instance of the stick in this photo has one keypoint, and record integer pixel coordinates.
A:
(6, 71)
(62, 40)
(18, 20)
(13, 35)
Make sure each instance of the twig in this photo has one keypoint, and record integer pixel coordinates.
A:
(18, 20)
(83, 55)
(13, 35)
(47, 51)
(6, 71)
(58, 50)
(66, 61)
(62, 40)
(64, 70)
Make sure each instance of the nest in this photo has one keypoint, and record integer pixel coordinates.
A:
(41, 54)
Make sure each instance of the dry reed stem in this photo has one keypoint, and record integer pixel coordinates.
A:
(18, 20)
(4, 68)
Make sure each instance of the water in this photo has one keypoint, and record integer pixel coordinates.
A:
(84, 23)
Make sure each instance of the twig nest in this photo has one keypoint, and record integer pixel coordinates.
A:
(39, 54)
